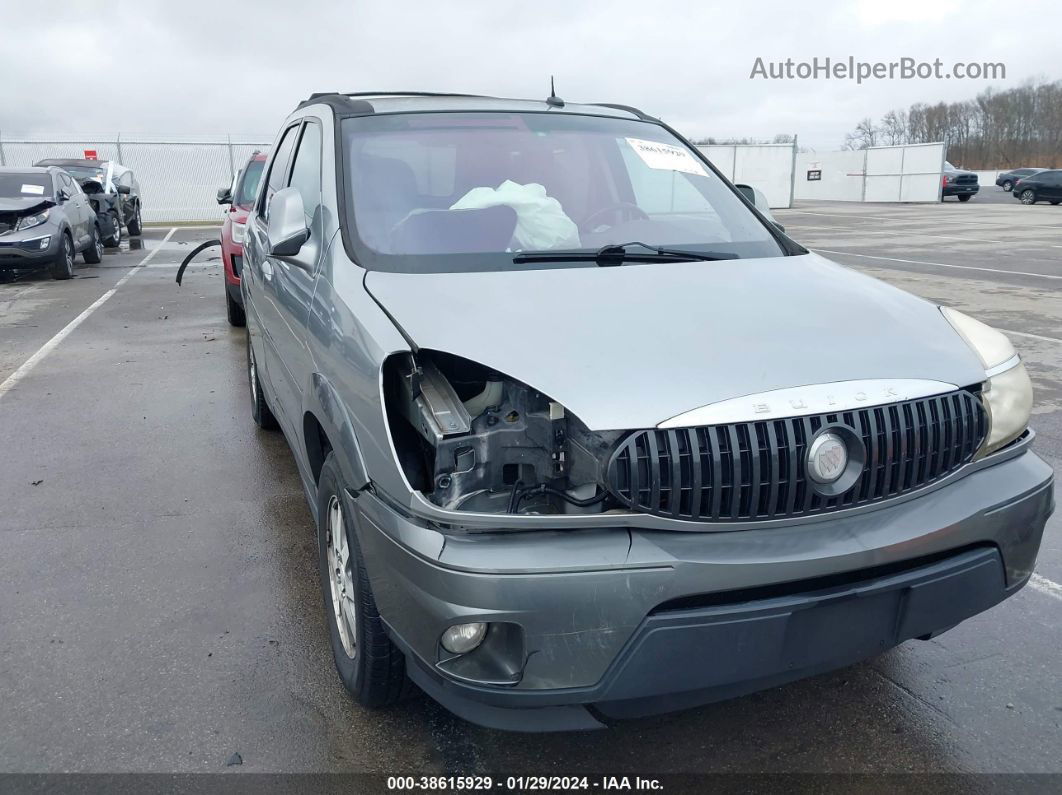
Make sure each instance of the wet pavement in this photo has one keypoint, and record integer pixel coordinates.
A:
(159, 604)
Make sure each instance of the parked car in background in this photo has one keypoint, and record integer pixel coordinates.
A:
(45, 219)
(1007, 179)
(113, 190)
(959, 183)
(1043, 186)
(240, 196)
(587, 437)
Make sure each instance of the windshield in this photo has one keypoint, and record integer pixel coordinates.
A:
(435, 192)
(247, 185)
(25, 186)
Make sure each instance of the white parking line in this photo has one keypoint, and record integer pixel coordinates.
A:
(1032, 336)
(893, 232)
(1044, 585)
(938, 264)
(908, 219)
(24, 369)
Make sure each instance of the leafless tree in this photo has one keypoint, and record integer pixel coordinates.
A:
(1021, 126)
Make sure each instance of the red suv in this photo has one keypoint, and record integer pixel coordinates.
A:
(240, 196)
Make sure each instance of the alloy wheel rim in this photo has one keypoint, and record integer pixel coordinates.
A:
(98, 243)
(1026, 198)
(68, 254)
(340, 576)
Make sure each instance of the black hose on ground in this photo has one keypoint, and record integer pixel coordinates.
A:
(191, 256)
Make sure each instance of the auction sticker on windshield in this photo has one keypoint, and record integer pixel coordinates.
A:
(35, 189)
(666, 157)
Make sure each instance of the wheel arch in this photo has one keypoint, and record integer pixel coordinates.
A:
(326, 426)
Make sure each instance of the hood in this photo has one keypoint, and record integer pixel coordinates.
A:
(25, 205)
(629, 347)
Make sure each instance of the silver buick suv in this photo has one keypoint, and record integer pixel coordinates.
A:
(586, 436)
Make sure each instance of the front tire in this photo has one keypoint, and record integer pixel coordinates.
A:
(260, 412)
(94, 253)
(1008, 185)
(115, 238)
(64, 262)
(135, 225)
(965, 198)
(1027, 197)
(370, 666)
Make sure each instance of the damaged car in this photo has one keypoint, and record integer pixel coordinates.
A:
(113, 191)
(587, 437)
(45, 220)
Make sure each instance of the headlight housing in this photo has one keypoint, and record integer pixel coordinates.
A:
(1007, 390)
(30, 221)
(238, 232)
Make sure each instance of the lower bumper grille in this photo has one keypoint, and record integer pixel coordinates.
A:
(758, 470)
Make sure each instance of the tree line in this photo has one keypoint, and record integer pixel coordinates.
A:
(1017, 127)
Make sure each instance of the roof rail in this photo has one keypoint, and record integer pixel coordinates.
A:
(412, 94)
(340, 103)
(629, 108)
(353, 100)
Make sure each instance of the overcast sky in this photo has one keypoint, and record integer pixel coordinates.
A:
(206, 68)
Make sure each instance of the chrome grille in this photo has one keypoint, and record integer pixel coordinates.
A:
(752, 471)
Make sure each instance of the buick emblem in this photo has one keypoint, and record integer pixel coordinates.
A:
(827, 458)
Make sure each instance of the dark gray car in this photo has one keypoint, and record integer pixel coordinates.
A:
(113, 191)
(587, 437)
(45, 219)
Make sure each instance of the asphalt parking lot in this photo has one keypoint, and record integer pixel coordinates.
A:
(159, 604)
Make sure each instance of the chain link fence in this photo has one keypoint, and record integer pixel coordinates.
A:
(179, 179)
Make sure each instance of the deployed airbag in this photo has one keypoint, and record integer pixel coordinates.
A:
(541, 222)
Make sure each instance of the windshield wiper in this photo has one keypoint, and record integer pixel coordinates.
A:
(617, 254)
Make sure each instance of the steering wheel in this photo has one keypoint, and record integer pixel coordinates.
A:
(633, 211)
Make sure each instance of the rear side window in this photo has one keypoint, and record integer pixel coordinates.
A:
(278, 168)
(306, 172)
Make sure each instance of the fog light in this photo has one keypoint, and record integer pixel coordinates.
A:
(45, 241)
(462, 638)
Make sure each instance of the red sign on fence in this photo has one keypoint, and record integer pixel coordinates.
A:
(90, 154)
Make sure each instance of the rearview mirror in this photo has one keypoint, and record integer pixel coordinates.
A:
(61, 196)
(125, 190)
(224, 196)
(286, 224)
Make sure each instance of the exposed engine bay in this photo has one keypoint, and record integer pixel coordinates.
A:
(473, 439)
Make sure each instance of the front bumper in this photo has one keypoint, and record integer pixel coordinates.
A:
(25, 250)
(960, 190)
(637, 622)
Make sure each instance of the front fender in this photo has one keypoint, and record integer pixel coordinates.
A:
(324, 403)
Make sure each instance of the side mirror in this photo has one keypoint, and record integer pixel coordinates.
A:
(61, 196)
(125, 190)
(286, 225)
(759, 201)
(224, 196)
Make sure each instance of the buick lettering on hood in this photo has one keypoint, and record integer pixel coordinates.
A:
(587, 436)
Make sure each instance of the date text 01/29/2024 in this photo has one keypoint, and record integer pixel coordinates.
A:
(521, 783)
